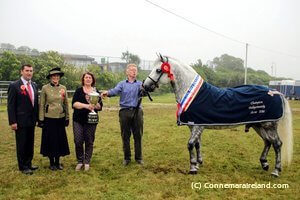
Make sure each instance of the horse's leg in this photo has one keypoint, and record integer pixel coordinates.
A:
(276, 142)
(198, 148)
(264, 154)
(269, 131)
(191, 143)
(263, 158)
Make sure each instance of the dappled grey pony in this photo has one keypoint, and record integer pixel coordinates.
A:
(201, 105)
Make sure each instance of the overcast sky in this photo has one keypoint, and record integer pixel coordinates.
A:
(109, 27)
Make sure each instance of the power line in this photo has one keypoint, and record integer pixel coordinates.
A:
(216, 33)
(274, 51)
(194, 23)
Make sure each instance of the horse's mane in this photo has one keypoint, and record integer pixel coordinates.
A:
(177, 62)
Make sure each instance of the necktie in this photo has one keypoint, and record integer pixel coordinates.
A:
(29, 92)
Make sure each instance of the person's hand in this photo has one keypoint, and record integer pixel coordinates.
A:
(14, 126)
(90, 107)
(67, 123)
(98, 106)
(104, 93)
(40, 124)
(143, 92)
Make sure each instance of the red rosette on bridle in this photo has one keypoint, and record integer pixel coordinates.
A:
(166, 68)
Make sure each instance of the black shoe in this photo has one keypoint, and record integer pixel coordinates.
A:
(27, 171)
(59, 167)
(33, 167)
(53, 168)
(126, 162)
(140, 162)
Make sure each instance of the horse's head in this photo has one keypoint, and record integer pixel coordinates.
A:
(160, 74)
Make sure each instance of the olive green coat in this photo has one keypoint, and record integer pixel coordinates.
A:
(53, 102)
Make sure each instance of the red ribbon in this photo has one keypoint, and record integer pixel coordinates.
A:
(23, 90)
(177, 111)
(166, 68)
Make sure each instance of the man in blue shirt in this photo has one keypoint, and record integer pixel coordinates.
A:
(130, 114)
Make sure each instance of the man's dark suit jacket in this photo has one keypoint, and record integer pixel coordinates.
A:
(19, 106)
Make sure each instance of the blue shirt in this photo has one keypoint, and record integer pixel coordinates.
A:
(129, 93)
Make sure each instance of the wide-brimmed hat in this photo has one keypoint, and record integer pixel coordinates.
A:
(55, 70)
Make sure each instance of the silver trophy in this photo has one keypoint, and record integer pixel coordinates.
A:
(93, 100)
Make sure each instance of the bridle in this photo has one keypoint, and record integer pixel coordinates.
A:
(164, 68)
(156, 82)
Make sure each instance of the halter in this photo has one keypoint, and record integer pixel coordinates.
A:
(164, 68)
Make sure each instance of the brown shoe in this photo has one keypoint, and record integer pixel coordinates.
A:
(140, 162)
(59, 167)
(86, 167)
(53, 167)
(126, 162)
(78, 167)
(33, 167)
(27, 171)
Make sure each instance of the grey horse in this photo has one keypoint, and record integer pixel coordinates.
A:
(276, 133)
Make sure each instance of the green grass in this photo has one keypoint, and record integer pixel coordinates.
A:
(230, 156)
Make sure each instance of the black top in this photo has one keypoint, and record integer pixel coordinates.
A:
(80, 115)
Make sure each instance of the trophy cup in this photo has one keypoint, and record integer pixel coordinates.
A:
(93, 116)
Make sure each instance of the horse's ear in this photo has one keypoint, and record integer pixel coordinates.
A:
(160, 56)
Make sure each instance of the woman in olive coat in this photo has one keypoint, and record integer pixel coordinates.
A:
(53, 118)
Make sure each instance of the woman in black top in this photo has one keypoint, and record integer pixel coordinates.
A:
(84, 132)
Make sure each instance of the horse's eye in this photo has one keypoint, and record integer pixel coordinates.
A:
(158, 70)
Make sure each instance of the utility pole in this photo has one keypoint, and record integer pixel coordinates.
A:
(245, 82)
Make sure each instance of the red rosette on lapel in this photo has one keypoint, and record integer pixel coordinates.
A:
(62, 94)
(23, 90)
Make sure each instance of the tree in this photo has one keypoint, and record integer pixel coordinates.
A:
(105, 80)
(197, 64)
(198, 67)
(7, 46)
(45, 62)
(25, 59)
(35, 52)
(229, 62)
(72, 76)
(205, 72)
(24, 49)
(131, 58)
(229, 72)
(10, 66)
(125, 56)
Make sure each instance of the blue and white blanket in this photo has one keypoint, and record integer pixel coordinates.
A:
(205, 104)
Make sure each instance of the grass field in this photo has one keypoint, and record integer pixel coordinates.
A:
(230, 156)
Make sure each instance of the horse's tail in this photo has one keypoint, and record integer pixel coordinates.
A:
(285, 130)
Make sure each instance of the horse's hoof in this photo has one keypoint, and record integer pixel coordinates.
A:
(265, 166)
(193, 172)
(200, 162)
(275, 173)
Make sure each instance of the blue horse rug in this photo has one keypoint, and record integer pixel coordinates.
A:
(205, 104)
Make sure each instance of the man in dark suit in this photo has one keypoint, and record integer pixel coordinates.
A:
(22, 107)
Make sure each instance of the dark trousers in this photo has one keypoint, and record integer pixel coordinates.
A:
(24, 144)
(131, 121)
(84, 134)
